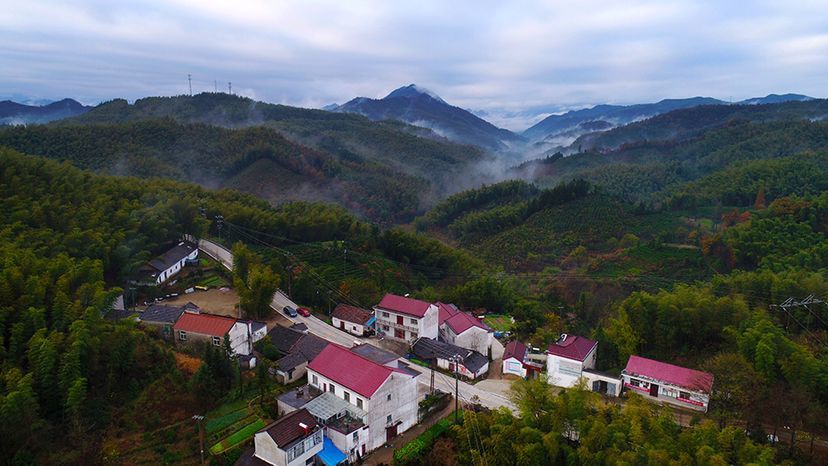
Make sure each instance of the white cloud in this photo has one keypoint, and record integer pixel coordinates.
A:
(496, 56)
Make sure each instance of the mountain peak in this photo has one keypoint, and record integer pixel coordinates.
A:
(413, 90)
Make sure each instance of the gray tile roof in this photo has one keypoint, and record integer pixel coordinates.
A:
(426, 348)
(284, 338)
(375, 354)
(307, 347)
(171, 257)
(162, 313)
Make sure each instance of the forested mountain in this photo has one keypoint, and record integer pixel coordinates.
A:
(561, 130)
(420, 107)
(385, 171)
(13, 113)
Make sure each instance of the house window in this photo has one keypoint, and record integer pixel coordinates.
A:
(182, 335)
(388, 397)
(356, 437)
(359, 403)
(347, 397)
(413, 321)
(684, 395)
(386, 328)
(315, 379)
(216, 341)
(413, 335)
(385, 314)
(331, 388)
(388, 419)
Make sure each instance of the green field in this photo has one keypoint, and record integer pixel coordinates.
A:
(238, 437)
(498, 322)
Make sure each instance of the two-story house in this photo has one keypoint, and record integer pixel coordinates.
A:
(293, 440)
(387, 395)
(568, 357)
(406, 319)
(463, 329)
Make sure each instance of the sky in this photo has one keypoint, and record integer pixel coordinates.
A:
(511, 61)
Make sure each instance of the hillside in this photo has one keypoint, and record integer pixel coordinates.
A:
(386, 171)
(13, 113)
(420, 107)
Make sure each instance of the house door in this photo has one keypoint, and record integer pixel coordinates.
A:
(341, 325)
(399, 334)
(390, 432)
(363, 449)
(653, 390)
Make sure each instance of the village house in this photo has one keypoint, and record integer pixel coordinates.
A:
(294, 439)
(387, 395)
(676, 385)
(297, 348)
(406, 319)
(162, 317)
(352, 319)
(468, 363)
(463, 329)
(165, 266)
(194, 327)
(572, 359)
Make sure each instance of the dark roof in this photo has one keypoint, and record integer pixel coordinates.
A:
(375, 354)
(173, 256)
(299, 397)
(287, 430)
(162, 313)
(572, 347)
(351, 370)
(404, 305)
(676, 375)
(514, 349)
(118, 314)
(350, 313)
(255, 325)
(304, 350)
(284, 338)
(427, 348)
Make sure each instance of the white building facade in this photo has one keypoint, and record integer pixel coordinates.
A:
(406, 319)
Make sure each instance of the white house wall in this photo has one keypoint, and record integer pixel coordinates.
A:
(514, 367)
(474, 338)
(350, 327)
(565, 372)
(267, 450)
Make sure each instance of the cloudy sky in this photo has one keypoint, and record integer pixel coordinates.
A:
(493, 56)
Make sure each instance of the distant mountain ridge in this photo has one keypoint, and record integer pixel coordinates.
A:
(420, 107)
(13, 113)
(567, 124)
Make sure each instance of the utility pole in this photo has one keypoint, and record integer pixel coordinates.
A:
(215, 85)
(198, 418)
(190, 82)
(229, 88)
(456, 360)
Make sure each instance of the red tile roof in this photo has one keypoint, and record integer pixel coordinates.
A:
(572, 347)
(204, 324)
(287, 430)
(350, 313)
(462, 321)
(350, 370)
(445, 311)
(403, 305)
(676, 375)
(514, 349)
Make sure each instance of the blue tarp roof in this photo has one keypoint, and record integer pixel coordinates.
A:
(330, 455)
(371, 321)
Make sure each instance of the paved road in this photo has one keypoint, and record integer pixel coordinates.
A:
(490, 399)
(280, 300)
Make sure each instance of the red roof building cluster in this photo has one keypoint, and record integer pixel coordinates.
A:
(204, 324)
(350, 370)
(572, 347)
(403, 305)
(675, 375)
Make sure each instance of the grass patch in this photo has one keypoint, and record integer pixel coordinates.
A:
(499, 322)
(237, 438)
(412, 452)
(219, 423)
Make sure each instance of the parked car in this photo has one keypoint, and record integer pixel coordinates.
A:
(304, 311)
(290, 312)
